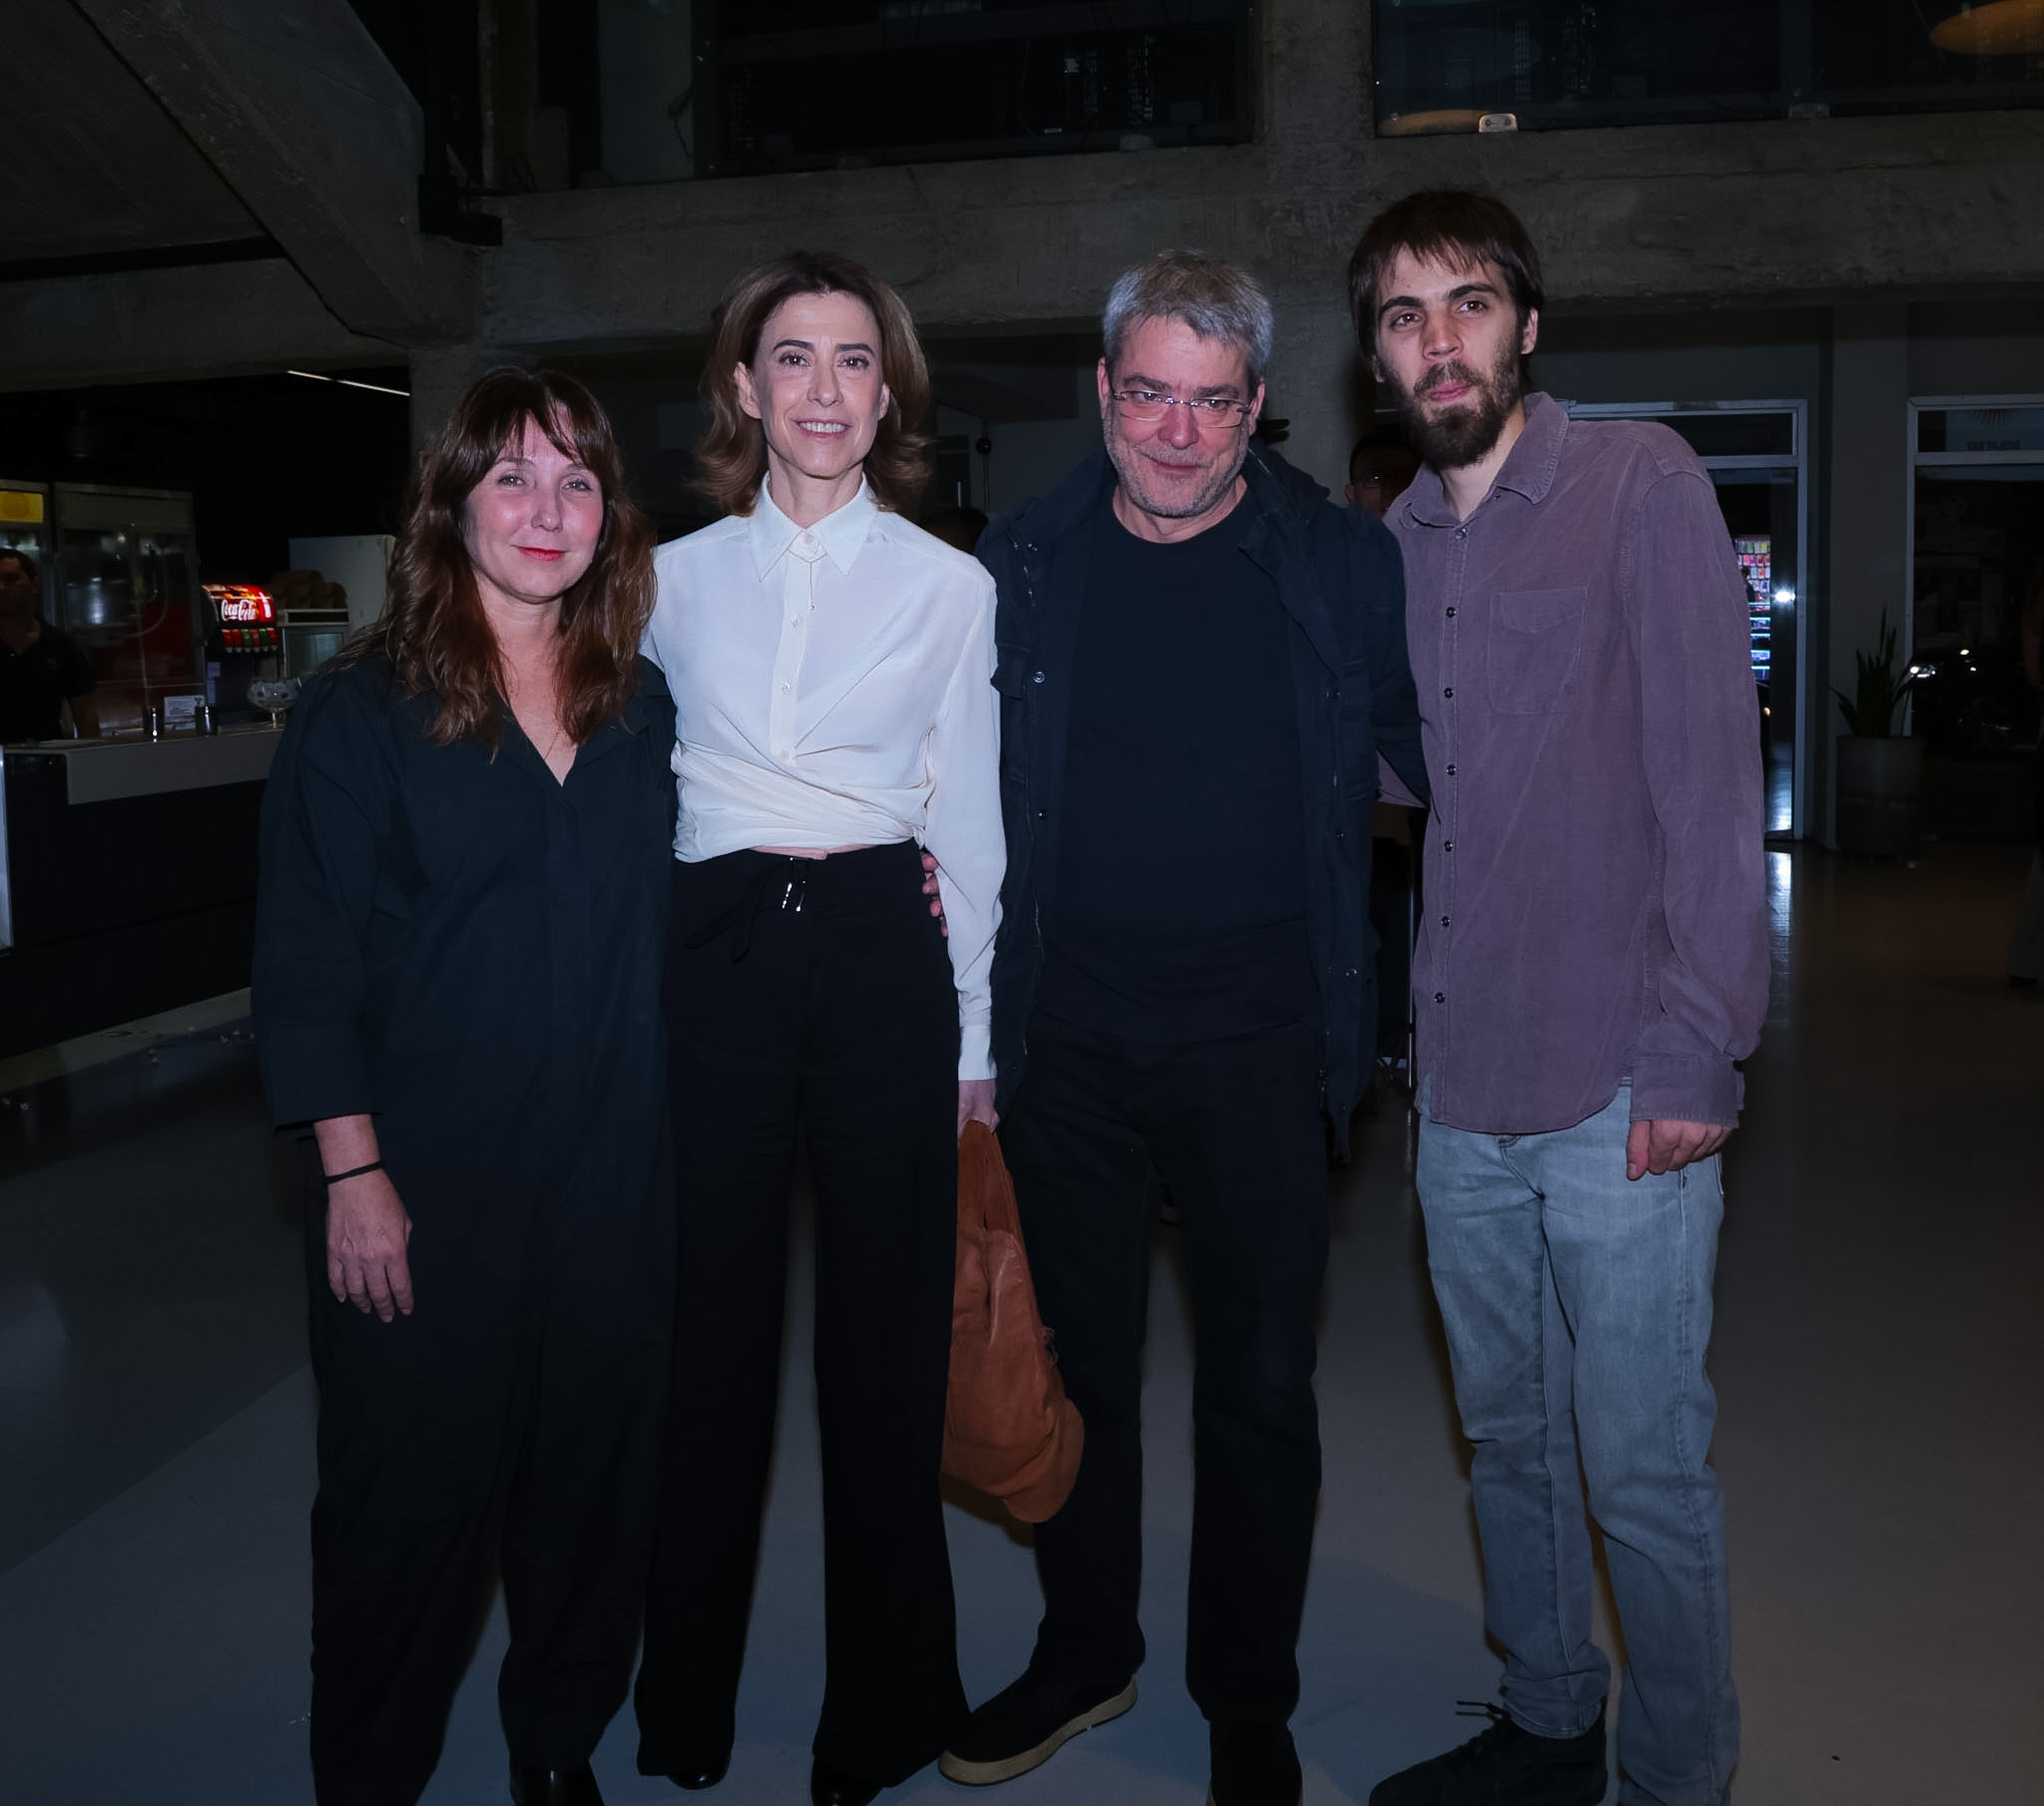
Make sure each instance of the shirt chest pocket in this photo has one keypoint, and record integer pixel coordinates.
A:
(1536, 637)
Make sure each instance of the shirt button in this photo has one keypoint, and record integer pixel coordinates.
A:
(783, 690)
(1451, 613)
(1447, 846)
(1036, 678)
(1440, 997)
(1447, 693)
(1451, 770)
(1444, 921)
(1461, 531)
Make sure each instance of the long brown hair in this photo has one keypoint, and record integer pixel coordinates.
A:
(433, 629)
(734, 451)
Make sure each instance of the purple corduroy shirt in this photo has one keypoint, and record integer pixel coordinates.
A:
(1595, 903)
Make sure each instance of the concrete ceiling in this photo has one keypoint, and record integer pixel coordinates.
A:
(94, 166)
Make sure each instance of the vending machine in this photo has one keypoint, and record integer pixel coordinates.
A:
(244, 641)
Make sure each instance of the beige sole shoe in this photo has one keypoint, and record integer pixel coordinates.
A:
(985, 1774)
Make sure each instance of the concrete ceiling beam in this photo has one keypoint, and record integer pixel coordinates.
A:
(166, 325)
(1789, 214)
(305, 119)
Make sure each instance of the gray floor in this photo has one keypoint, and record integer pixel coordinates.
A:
(1878, 1361)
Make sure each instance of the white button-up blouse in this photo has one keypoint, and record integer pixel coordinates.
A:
(833, 686)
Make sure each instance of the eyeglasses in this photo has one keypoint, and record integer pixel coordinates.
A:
(1148, 406)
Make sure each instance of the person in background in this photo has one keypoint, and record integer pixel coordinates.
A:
(42, 669)
(830, 664)
(457, 986)
(1381, 466)
(1592, 966)
(1202, 662)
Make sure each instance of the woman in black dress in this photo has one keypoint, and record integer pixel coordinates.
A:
(465, 843)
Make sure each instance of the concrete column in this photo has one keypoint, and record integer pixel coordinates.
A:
(439, 376)
(1316, 382)
(1869, 501)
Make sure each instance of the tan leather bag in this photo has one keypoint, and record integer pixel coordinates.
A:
(1009, 1430)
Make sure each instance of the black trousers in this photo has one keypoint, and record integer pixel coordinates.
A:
(513, 1420)
(809, 999)
(1234, 1127)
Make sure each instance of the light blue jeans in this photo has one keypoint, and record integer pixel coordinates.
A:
(1577, 1308)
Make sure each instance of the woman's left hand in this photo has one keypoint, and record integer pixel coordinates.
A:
(976, 1103)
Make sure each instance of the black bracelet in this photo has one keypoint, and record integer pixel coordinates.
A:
(354, 1173)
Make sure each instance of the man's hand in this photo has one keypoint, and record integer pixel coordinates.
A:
(1668, 1146)
(368, 1232)
(976, 1103)
(936, 897)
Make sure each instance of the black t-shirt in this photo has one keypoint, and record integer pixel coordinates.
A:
(1179, 911)
(36, 683)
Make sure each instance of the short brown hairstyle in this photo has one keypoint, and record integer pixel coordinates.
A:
(433, 629)
(734, 451)
(1446, 226)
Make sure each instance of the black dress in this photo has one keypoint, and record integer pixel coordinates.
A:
(471, 952)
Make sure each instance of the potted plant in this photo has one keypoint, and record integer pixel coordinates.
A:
(1880, 772)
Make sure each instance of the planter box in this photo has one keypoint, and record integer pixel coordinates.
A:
(1880, 795)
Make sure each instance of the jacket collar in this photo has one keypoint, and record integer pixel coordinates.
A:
(771, 535)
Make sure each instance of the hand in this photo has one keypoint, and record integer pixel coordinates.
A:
(936, 897)
(368, 1232)
(976, 1103)
(1668, 1146)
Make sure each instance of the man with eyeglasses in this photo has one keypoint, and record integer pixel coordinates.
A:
(1201, 661)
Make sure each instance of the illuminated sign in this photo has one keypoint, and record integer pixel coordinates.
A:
(238, 603)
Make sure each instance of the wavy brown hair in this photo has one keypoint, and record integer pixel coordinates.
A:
(433, 629)
(734, 451)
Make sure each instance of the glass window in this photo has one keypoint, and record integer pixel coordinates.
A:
(1441, 65)
(1978, 559)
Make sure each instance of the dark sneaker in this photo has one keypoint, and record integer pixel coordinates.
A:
(1505, 1766)
(1253, 1765)
(1023, 1727)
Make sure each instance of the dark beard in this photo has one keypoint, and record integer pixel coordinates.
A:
(1465, 436)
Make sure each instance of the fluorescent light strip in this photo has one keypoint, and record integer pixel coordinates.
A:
(348, 382)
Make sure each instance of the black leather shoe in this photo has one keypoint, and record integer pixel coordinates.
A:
(696, 1779)
(832, 1786)
(1253, 1765)
(554, 1786)
(1026, 1724)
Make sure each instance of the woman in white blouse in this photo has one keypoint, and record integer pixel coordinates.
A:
(831, 667)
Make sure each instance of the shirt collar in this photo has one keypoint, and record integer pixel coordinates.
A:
(841, 533)
(1528, 467)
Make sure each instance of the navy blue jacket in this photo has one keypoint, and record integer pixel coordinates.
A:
(1339, 575)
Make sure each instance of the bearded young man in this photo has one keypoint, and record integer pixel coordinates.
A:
(1592, 963)
(1201, 660)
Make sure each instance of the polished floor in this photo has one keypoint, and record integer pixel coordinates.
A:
(1878, 1360)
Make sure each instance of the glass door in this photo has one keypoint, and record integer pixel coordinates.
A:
(1755, 454)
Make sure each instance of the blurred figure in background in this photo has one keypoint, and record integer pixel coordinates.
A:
(1381, 466)
(42, 669)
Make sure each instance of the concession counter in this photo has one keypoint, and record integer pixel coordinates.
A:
(127, 877)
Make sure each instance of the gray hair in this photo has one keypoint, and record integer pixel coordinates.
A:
(1218, 300)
